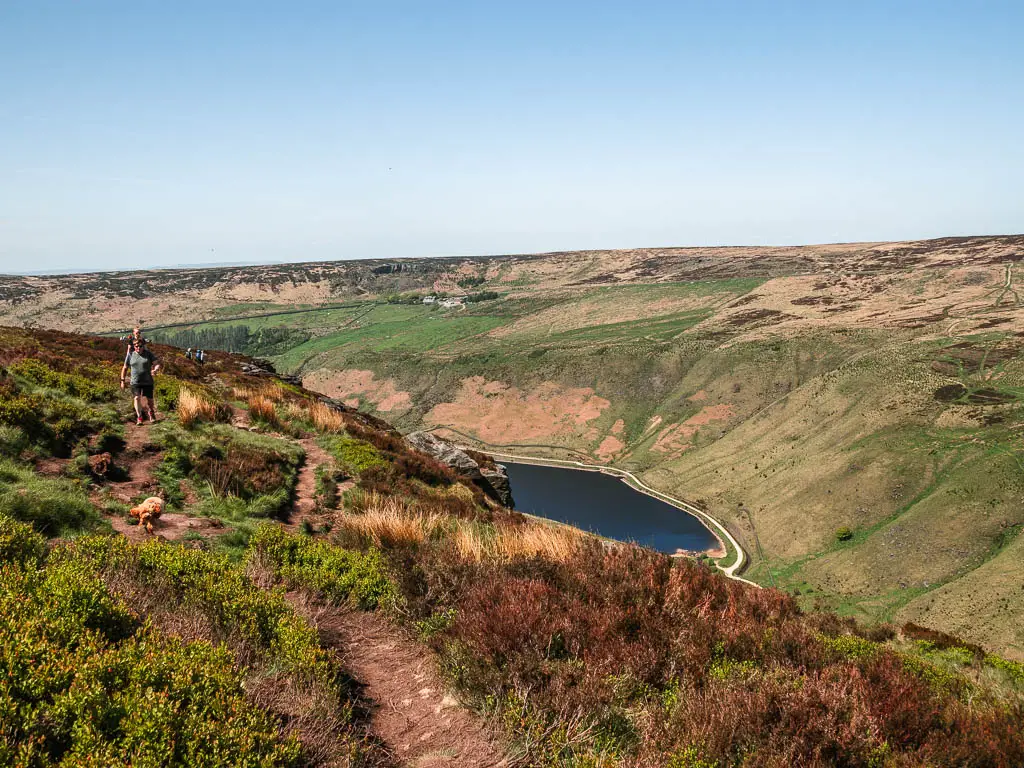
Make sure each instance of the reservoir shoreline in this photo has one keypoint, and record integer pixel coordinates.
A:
(716, 528)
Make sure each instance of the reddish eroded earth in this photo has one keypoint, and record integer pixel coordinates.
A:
(499, 413)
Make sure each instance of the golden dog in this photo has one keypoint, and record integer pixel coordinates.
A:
(148, 511)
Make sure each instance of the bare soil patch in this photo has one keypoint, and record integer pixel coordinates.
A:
(499, 413)
(352, 385)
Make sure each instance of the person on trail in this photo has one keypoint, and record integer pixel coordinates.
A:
(188, 353)
(143, 364)
(200, 356)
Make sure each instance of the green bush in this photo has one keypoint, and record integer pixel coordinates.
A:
(88, 387)
(166, 390)
(20, 411)
(19, 543)
(850, 646)
(83, 682)
(340, 575)
(211, 583)
(1013, 669)
(352, 455)
(844, 534)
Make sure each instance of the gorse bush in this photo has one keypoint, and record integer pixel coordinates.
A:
(337, 574)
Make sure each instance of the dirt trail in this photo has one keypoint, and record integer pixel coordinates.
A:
(410, 711)
(305, 488)
(139, 458)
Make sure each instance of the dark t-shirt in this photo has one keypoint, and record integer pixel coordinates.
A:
(141, 364)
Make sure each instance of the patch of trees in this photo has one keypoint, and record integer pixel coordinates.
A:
(236, 338)
(483, 296)
(471, 282)
(403, 298)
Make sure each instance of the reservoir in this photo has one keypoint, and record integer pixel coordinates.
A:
(605, 505)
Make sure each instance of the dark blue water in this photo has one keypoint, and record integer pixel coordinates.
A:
(607, 506)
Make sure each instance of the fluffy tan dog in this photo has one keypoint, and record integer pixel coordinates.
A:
(148, 511)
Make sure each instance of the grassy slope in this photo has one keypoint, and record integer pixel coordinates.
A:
(628, 657)
(833, 420)
(832, 427)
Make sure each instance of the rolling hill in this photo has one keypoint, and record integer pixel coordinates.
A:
(851, 412)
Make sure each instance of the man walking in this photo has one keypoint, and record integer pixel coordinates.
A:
(143, 364)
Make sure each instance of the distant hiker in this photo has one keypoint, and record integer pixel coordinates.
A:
(143, 364)
(188, 353)
(131, 338)
(200, 356)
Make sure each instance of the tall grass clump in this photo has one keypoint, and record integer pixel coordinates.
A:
(388, 521)
(325, 418)
(53, 506)
(194, 406)
(261, 408)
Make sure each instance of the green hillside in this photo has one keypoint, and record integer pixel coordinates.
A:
(852, 417)
(318, 593)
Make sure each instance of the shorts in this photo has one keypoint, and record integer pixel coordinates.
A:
(145, 390)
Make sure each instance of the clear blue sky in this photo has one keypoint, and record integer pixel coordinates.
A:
(136, 134)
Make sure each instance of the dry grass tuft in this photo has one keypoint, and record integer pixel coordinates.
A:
(389, 522)
(194, 406)
(325, 418)
(262, 408)
(521, 542)
(550, 542)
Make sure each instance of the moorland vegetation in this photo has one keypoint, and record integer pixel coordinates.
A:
(200, 645)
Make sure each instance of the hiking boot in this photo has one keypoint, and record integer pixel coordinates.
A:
(138, 421)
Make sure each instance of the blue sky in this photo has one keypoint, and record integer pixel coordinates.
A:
(153, 133)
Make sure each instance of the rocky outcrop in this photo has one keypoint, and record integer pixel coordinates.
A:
(497, 478)
(493, 478)
(261, 367)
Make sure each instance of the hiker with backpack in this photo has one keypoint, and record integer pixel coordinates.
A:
(143, 364)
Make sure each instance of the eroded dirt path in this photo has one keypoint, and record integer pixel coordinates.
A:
(305, 487)
(422, 725)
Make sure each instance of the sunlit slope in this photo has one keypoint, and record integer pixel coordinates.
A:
(895, 418)
(851, 411)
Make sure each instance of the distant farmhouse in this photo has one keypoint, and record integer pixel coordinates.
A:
(448, 302)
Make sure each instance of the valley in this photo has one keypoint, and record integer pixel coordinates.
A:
(852, 413)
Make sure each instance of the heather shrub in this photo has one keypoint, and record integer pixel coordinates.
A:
(337, 574)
